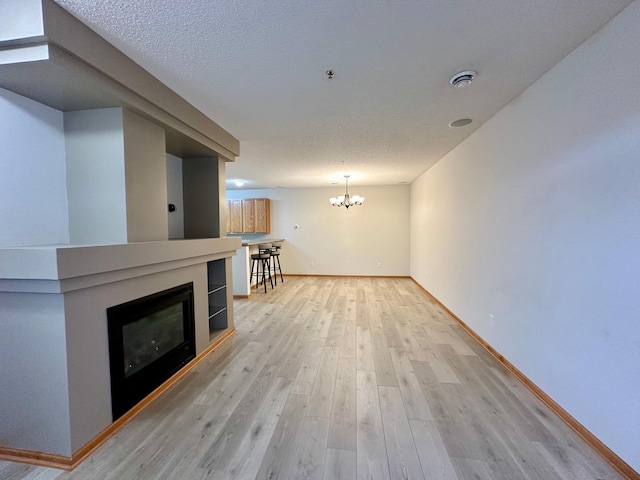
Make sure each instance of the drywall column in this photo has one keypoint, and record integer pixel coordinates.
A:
(201, 197)
(228, 266)
(223, 209)
(116, 177)
(146, 179)
(95, 176)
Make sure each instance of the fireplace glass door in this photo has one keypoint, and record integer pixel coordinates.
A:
(150, 339)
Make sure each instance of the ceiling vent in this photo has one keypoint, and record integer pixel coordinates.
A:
(463, 79)
(460, 123)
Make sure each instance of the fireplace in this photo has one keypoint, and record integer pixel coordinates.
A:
(150, 339)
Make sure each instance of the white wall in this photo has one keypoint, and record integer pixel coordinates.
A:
(174, 196)
(33, 195)
(337, 241)
(535, 219)
(96, 176)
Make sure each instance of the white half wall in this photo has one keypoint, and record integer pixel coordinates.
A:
(337, 241)
(33, 191)
(535, 219)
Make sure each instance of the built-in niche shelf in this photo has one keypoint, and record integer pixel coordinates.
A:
(217, 296)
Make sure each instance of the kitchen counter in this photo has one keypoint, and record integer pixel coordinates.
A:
(241, 264)
(249, 243)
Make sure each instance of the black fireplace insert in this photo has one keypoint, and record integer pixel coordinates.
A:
(150, 339)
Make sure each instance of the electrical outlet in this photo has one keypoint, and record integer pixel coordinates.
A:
(379, 264)
(491, 319)
(313, 264)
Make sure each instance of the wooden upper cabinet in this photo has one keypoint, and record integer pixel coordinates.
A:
(251, 215)
(262, 208)
(248, 216)
(235, 216)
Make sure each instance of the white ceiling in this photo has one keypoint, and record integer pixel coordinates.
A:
(258, 69)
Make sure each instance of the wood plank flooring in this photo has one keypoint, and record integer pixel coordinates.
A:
(341, 378)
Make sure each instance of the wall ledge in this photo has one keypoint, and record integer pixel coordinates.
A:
(63, 268)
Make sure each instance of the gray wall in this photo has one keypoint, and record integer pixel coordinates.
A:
(87, 340)
(535, 219)
(146, 179)
(201, 197)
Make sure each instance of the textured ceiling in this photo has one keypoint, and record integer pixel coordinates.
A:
(257, 68)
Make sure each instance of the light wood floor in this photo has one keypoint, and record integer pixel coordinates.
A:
(331, 378)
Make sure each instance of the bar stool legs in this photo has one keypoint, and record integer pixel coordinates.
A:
(266, 272)
(275, 267)
(261, 263)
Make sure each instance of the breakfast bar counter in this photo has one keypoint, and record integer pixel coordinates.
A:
(250, 243)
(242, 265)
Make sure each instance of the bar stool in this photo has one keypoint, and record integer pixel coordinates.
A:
(275, 264)
(265, 249)
(261, 262)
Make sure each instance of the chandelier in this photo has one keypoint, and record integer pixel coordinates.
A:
(346, 200)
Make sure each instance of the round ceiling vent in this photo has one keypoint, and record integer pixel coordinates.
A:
(463, 79)
(460, 123)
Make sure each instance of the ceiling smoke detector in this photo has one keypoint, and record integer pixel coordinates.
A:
(462, 79)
